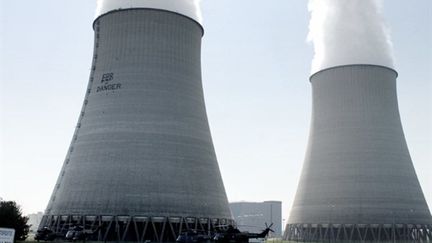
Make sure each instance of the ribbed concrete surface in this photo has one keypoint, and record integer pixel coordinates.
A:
(143, 144)
(357, 168)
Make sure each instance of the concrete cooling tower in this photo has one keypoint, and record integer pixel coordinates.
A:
(141, 165)
(358, 181)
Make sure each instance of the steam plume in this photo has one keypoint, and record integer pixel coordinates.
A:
(349, 32)
(189, 8)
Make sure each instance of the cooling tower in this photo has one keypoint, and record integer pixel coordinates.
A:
(141, 165)
(358, 181)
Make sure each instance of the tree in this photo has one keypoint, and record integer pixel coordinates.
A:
(11, 217)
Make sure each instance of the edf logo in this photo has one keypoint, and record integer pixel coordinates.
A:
(107, 77)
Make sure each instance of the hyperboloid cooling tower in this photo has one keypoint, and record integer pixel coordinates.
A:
(358, 181)
(141, 165)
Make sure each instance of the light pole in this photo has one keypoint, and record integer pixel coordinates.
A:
(393, 227)
(330, 227)
(283, 228)
(414, 232)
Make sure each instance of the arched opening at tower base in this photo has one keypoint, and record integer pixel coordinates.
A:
(360, 232)
(132, 229)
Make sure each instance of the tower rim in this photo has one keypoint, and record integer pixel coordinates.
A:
(352, 65)
(153, 9)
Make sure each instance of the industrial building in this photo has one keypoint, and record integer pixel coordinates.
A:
(253, 216)
(141, 164)
(34, 220)
(358, 181)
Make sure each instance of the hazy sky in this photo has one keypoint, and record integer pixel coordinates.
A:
(256, 65)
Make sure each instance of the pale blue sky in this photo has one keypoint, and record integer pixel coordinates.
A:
(256, 65)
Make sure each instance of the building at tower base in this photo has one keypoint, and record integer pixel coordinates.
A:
(358, 181)
(253, 216)
(141, 165)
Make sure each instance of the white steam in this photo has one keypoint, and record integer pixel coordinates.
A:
(347, 32)
(189, 8)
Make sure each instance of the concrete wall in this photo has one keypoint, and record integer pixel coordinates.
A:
(142, 144)
(357, 168)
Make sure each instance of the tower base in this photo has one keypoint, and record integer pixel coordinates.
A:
(131, 229)
(358, 232)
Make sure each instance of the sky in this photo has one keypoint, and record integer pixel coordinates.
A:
(256, 64)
